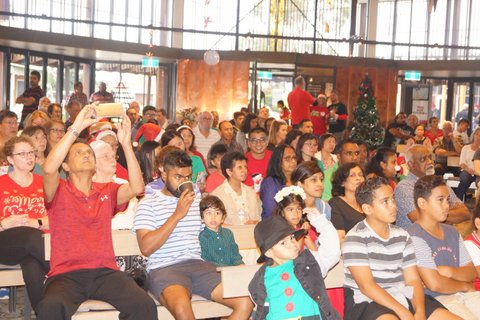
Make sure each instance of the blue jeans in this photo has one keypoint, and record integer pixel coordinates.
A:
(466, 180)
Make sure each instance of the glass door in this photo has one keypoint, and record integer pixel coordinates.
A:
(438, 106)
(461, 92)
(476, 105)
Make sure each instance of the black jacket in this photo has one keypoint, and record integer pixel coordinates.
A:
(308, 273)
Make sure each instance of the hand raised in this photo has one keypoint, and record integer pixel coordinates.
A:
(184, 202)
(85, 118)
(124, 131)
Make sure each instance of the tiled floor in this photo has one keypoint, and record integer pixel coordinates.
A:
(18, 315)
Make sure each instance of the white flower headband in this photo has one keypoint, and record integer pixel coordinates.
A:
(288, 191)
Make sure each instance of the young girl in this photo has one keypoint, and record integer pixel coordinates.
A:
(472, 242)
(420, 138)
(39, 138)
(289, 285)
(383, 164)
(290, 205)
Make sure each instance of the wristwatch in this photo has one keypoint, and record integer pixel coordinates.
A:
(40, 223)
(74, 132)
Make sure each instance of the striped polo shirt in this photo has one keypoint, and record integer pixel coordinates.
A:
(387, 258)
(203, 143)
(182, 244)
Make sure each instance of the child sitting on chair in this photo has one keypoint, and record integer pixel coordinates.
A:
(290, 284)
(217, 243)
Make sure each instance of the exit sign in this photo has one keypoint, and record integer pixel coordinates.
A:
(264, 75)
(150, 62)
(413, 75)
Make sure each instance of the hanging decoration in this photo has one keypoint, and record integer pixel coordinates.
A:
(211, 57)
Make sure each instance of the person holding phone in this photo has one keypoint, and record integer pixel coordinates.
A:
(82, 264)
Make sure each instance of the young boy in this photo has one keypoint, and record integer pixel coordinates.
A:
(444, 265)
(290, 284)
(217, 243)
(215, 178)
(381, 277)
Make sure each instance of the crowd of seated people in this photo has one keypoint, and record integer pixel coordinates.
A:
(177, 187)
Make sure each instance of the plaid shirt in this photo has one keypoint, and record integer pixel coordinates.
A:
(220, 247)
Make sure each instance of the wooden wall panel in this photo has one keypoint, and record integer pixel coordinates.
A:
(384, 81)
(223, 87)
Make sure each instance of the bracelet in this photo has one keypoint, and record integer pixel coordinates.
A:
(40, 223)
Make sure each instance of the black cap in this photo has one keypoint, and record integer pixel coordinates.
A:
(270, 231)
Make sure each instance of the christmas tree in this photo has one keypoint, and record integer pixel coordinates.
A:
(366, 126)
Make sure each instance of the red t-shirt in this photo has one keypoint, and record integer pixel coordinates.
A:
(213, 181)
(17, 200)
(432, 136)
(80, 227)
(255, 166)
(299, 102)
(319, 121)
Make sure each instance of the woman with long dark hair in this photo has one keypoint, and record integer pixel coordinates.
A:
(307, 147)
(346, 212)
(309, 177)
(173, 138)
(279, 174)
(383, 165)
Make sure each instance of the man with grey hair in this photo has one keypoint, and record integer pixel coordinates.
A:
(205, 137)
(299, 101)
(420, 164)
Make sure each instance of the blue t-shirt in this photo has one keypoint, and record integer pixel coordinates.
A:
(285, 295)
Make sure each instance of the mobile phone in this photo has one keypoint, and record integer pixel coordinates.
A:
(109, 110)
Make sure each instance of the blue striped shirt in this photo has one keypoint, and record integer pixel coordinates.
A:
(182, 244)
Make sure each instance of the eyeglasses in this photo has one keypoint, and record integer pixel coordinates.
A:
(58, 130)
(109, 157)
(257, 141)
(11, 122)
(25, 154)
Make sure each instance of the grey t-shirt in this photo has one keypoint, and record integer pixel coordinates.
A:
(432, 252)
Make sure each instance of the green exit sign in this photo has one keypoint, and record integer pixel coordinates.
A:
(150, 62)
(413, 75)
(264, 75)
